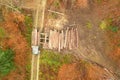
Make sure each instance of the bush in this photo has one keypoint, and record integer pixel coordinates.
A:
(99, 1)
(28, 23)
(6, 61)
(108, 25)
(89, 25)
(103, 25)
(113, 28)
(2, 33)
(50, 62)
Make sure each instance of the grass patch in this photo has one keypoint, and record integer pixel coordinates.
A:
(2, 33)
(50, 63)
(103, 25)
(108, 25)
(118, 45)
(99, 1)
(56, 3)
(6, 61)
(28, 71)
(29, 23)
(113, 28)
(89, 25)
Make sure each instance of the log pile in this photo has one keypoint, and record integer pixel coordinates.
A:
(59, 40)
(35, 38)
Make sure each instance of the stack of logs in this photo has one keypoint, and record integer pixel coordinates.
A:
(59, 40)
(35, 38)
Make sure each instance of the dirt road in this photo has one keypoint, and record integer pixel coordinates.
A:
(38, 24)
(35, 67)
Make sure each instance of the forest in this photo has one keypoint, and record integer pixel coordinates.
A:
(59, 39)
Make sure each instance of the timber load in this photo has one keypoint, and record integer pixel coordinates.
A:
(59, 40)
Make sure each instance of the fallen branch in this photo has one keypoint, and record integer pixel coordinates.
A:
(56, 12)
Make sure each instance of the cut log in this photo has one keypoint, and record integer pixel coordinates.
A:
(62, 39)
(50, 39)
(38, 38)
(34, 37)
(77, 38)
(70, 44)
(59, 42)
(45, 41)
(72, 39)
(66, 38)
(55, 39)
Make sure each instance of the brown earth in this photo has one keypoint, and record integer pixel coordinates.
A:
(112, 11)
(17, 42)
(95, 44)
(114, 41)
(82, 3)
(83, 71)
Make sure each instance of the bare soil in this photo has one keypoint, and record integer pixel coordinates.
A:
(95, 44)
(83, 71)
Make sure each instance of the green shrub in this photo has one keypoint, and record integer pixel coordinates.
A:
(2, 33)
(6, 61)
(28, 71)
(118, 45)
(103, 25)
(113, 28)
(108, 25)
(56, 3)
(29, 23)
(89, 25)
(99, 1)
(50, 63)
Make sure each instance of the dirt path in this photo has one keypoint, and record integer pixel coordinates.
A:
(38, 24)
(35, 67)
